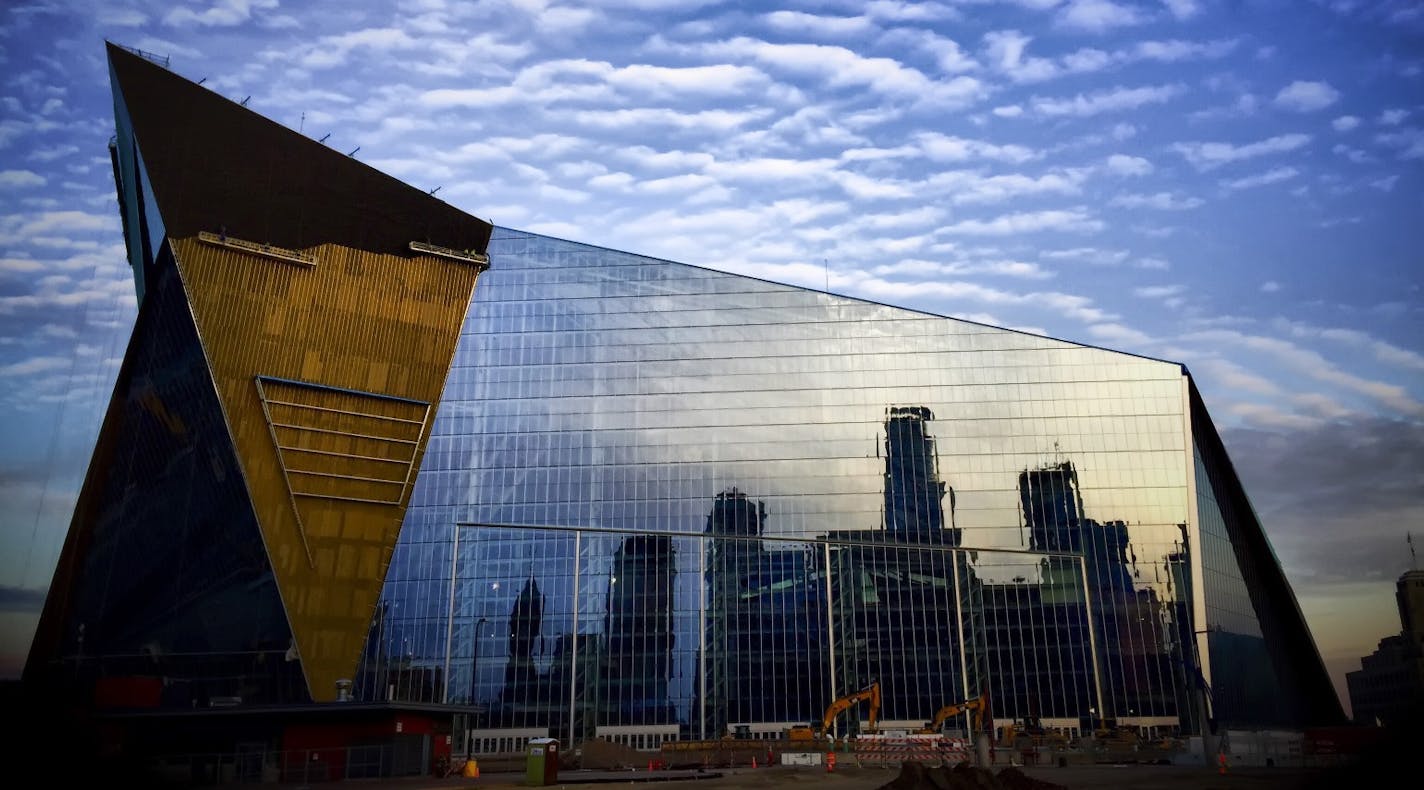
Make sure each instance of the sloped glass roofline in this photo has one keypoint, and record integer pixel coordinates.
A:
(500, 229)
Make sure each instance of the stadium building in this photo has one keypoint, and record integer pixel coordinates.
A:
(343, 488)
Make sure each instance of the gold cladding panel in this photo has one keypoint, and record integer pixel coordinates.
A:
(376, 324)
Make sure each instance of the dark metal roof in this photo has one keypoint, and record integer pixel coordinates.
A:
(217, 166)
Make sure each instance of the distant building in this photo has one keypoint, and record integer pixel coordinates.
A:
(1388, 688)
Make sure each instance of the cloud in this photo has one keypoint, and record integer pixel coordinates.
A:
(1075, 220)
(901, 11)
(1002, 268)
(646, 117)
(1312, 364)
(1272, 176)
(800, 22)
(1232, 376)
(1182, 9)
(1081, 106)
(1382, 351)
(1123, 165)
(1385, 184)
(1158, 291)
(1175, 50)
(19, 265)
(1206, 156)
(840, 67)
(945, 148)
(965, 187)
(1119, 335)
(220, 13)
(120, 17)
(1164, 201)
(1004, 51)
(1345, 123)
(1068, 305)
(21, 599)
(1098, 16)
(1393, 117)
(1090, 255)
(1409, 141)
(22, 228)
(34, 365)
(946, 52)
(1270, 286)
(19, 179)
(1302, 96)
(1336, 495)
(1008, 111)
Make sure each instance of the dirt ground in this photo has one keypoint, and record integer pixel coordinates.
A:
(1072, 777)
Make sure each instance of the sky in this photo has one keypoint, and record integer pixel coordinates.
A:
(1237, 185)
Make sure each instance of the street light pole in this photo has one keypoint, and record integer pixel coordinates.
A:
(475, 660)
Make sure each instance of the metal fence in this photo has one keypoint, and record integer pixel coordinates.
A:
(295, 766)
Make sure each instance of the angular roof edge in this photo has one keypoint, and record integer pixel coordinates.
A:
(217, 166)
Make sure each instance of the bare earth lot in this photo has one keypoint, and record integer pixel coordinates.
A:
(1079, 777)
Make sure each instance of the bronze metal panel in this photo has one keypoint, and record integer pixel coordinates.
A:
(327, 374)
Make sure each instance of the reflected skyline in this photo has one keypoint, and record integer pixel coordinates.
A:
(848, 491)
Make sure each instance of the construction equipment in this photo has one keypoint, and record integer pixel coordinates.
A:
(837, 707)
(1033, 733)
(975, 704)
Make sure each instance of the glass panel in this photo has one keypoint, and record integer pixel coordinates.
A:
(774, 488)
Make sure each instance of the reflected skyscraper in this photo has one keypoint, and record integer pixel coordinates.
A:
(765, 657)
(522, 679)
(914, 492)
(638, 631)
(1127, 665)
(901, 613)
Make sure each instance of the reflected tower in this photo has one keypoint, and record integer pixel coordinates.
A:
(521, 675)
(914, 493)
(638, 628)
(765, 660)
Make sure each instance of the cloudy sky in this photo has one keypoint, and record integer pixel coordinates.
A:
(1233, 184)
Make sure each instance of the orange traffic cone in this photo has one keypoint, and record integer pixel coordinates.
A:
(1221, 763)
(754, 761)
(472, 769)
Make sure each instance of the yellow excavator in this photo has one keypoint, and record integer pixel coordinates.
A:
(975, 704)
(836, 708)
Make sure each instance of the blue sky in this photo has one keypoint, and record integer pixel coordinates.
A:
(1235, 185)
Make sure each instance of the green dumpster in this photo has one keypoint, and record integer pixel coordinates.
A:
(541, 768)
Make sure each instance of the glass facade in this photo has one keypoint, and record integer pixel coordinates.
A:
(167, 575)
(661, 502)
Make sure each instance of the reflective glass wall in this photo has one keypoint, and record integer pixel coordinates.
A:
(695, 502)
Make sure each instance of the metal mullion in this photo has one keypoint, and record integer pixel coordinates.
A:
(347, 434)
(1033, 662)
(573, 661)
(344, 412)
(450, 626)
(404, 462)
(286, 478)
(346, 498)
(703, 591)
(1056, 630)
(336, 476)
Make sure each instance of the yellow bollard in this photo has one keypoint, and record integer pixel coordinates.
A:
(472, 769)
